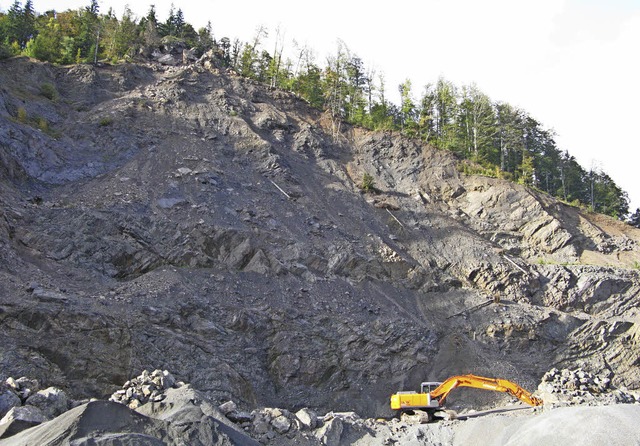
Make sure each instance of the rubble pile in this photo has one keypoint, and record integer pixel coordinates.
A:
(278, 426)
(571, 387)
(148, 387)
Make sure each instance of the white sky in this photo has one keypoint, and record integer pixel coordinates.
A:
(572, 64)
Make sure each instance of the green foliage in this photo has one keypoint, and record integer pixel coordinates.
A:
(367, 184)
(47, 44)
(5, 51)
(470, 168)
(105, 121)
(42, 124)
(38, 122)
(49, 91)
(22, 116)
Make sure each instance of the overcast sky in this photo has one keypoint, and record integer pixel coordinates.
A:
(572, 64)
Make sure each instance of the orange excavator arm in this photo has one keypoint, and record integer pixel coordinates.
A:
(479, 382)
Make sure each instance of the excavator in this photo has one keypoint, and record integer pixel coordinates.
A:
(433, 394)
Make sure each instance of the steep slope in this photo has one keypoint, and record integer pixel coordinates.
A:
(189, 219)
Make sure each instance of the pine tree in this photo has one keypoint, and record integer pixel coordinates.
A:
(149, 32)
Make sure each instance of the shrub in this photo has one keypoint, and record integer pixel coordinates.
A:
(368, 183)
(49, 92)
(5, 51)
(107, 120)
(43, 124)
(22, 115)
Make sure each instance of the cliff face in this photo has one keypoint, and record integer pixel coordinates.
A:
(187, 219)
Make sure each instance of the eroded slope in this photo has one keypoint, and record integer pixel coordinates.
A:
(190, 219)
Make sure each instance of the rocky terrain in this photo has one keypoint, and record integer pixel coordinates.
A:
(153, 408)
(187, 219)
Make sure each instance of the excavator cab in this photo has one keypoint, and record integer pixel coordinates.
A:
(407, 401)
(427, 387)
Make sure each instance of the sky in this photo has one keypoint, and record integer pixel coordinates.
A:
(573, 65)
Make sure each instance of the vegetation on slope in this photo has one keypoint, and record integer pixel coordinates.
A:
(497, 138)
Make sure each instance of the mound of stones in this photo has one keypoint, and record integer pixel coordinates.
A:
(571, 387)
(280, 426)
(148, 387)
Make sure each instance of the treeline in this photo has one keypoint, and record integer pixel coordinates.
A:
(497, 138)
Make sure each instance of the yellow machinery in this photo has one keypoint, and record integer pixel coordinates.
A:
(433, 394)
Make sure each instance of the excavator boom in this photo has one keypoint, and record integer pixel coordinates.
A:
(480, 382)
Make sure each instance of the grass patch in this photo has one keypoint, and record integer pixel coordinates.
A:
(22, 115)
(49, 91)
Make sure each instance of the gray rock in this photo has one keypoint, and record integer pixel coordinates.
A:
(49, 296)
(228, 407)
(102, 422)
(27, 383)
(331, 432)
(168, 59)
(240, 416)
(308, 419)
(168, 203)
(168, 380)
(52, 401)
(20, 418)
(8, 400)
(281, 424)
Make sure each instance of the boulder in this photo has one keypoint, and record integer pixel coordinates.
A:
(52, 401)
(331, 432)
(20, 418)
(228, 407)
(281, 424)
(307, 419)
(8, 400)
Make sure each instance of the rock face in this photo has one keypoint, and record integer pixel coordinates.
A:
(184, 218)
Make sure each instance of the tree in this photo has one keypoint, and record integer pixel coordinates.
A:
(168, 28)
(407, 108)
(47, 44)
(85, 41)
(179, 23)
(477, 123)
(150, 35)
(123, 40)
(225, 48)
(383, 113)
(335, 91)
(205, 39)
(446, 110)
(307, 79)
(355, 82)
(634, 219)
(13, 24)
(527, 170)
(508, 137)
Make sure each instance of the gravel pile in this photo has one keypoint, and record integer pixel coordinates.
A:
(572, 387)
(144, 388)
